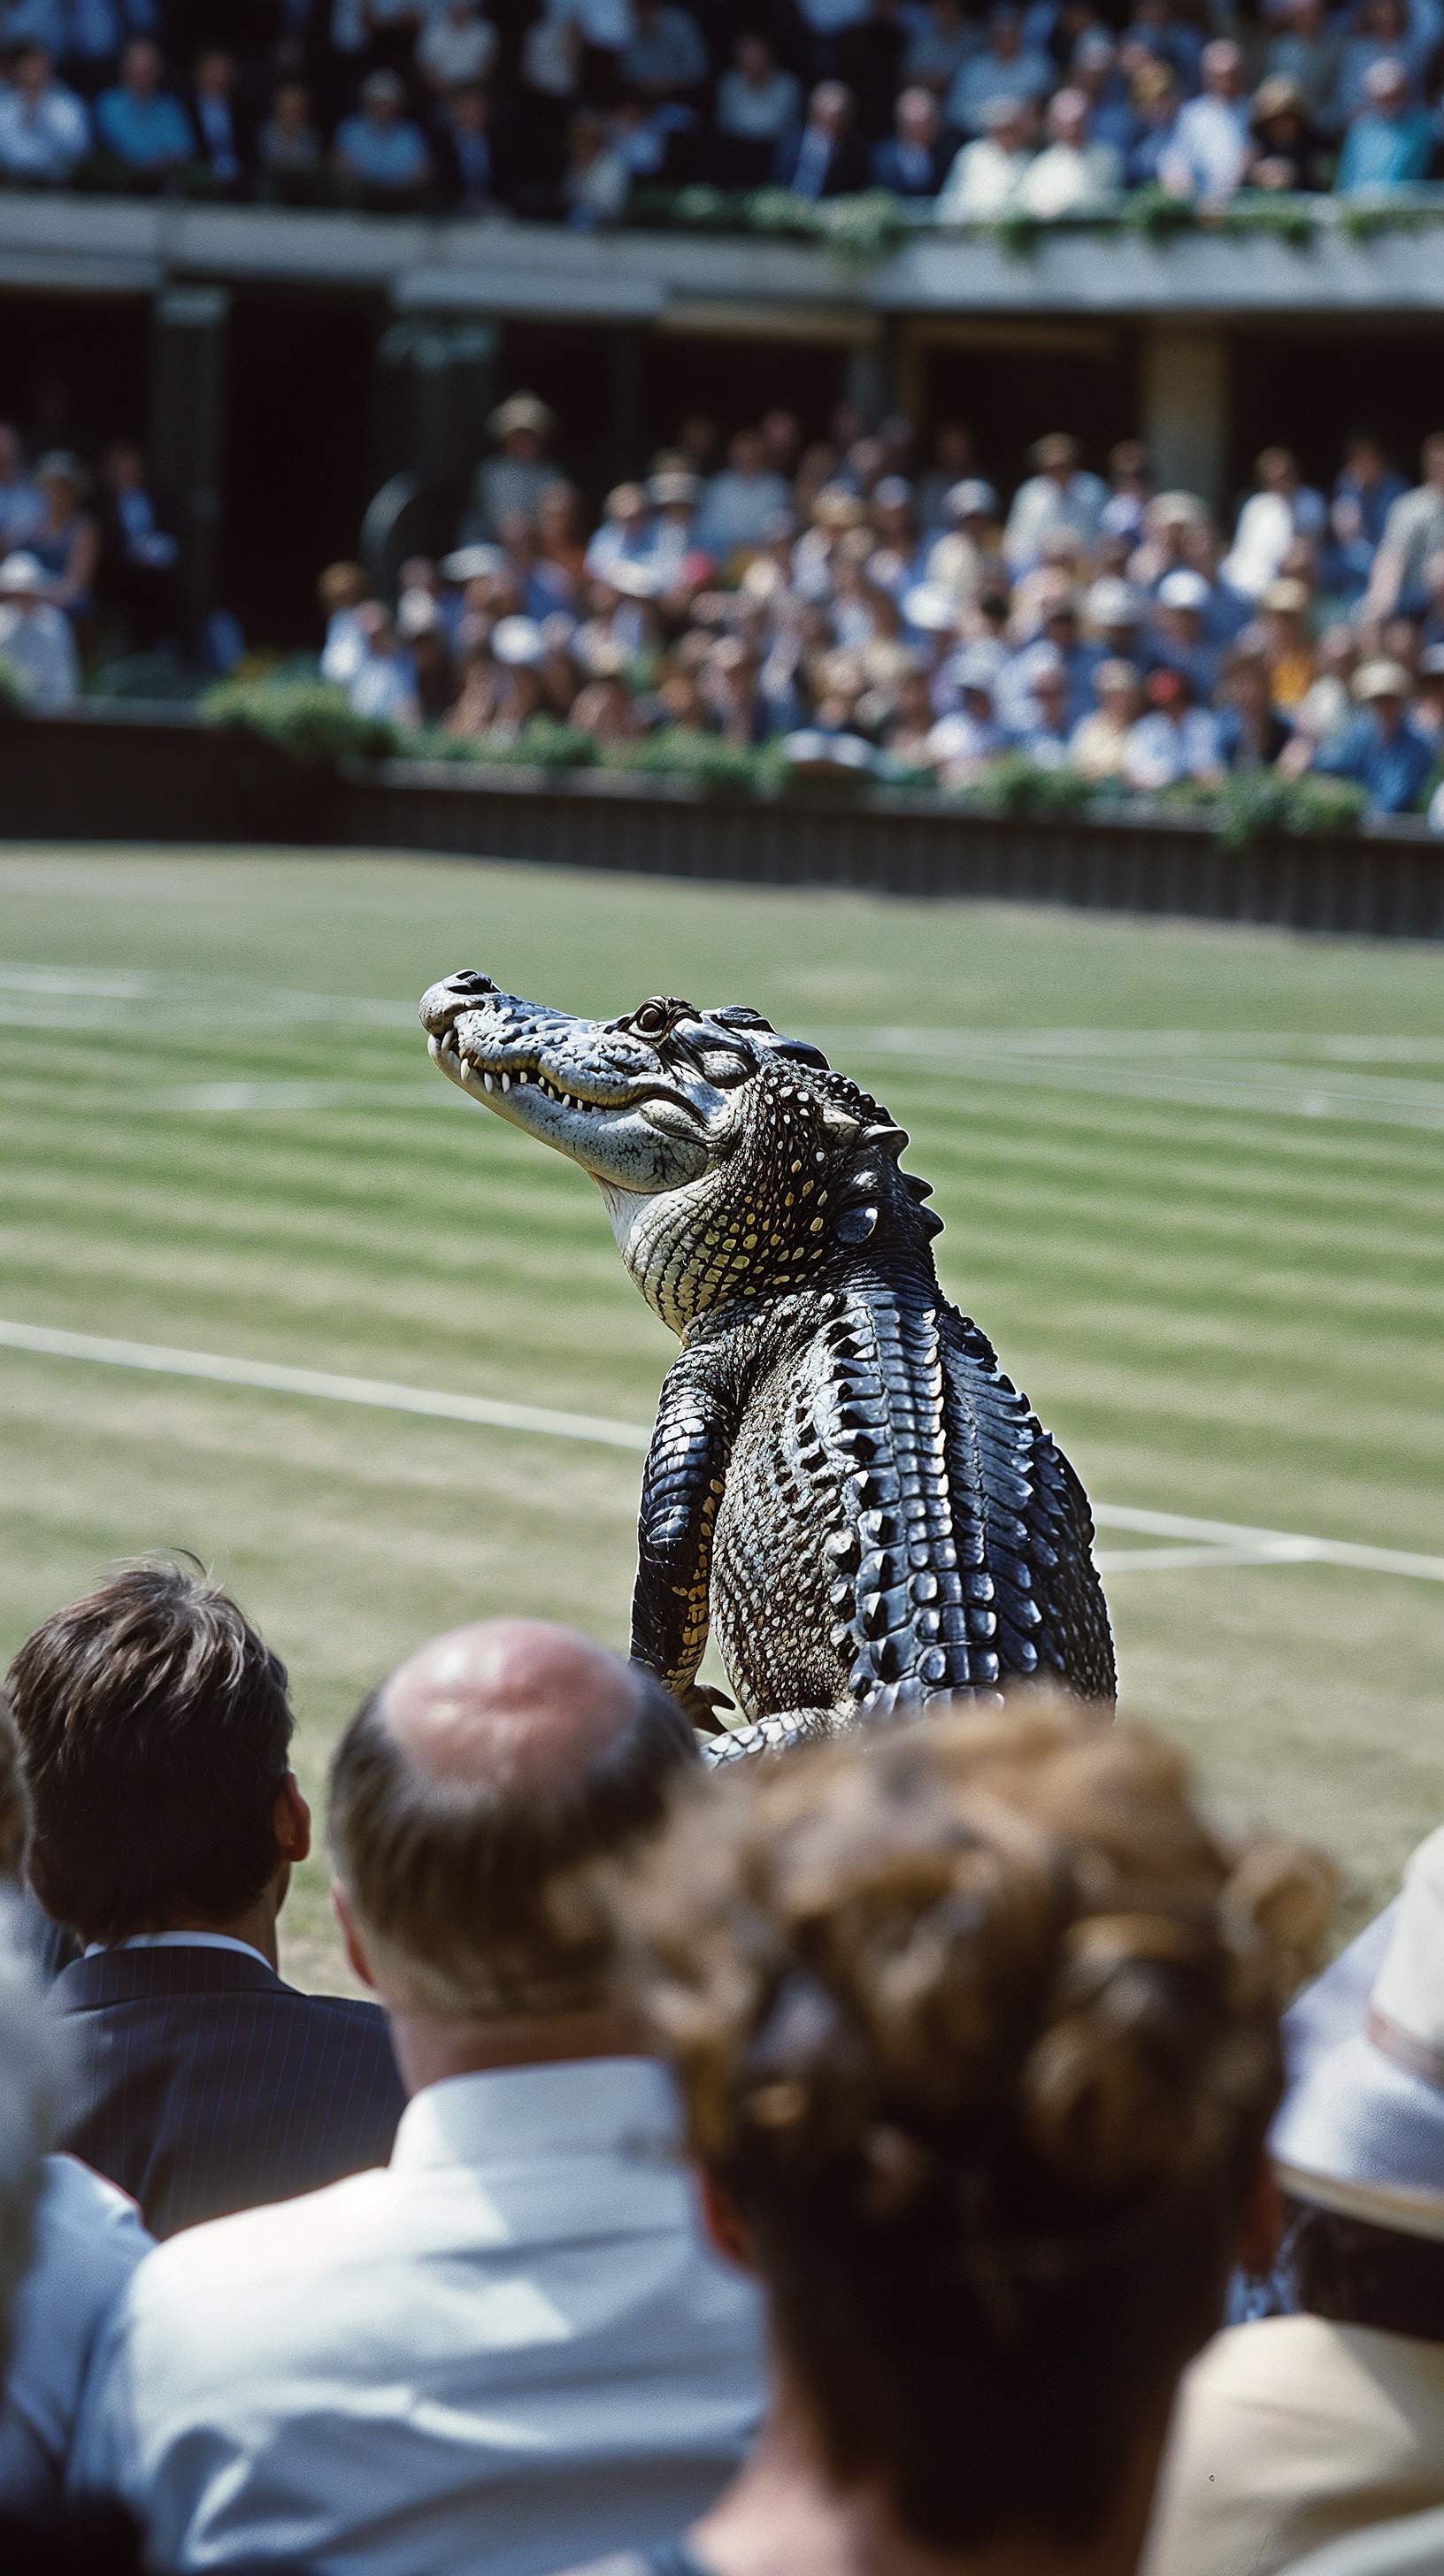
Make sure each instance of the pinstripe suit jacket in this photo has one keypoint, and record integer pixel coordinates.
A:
(207, 2085)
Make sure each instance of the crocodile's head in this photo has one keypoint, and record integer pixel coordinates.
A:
(733, 1160)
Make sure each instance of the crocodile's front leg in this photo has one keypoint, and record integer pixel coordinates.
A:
(681, 1489)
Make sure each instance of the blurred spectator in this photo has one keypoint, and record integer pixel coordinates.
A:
(36, 643)
(44, 130)
(987, 176)
(1282, 508)
(913, 160)
(1004, 69)
(1160, 29)
(1058, 495)
(740, 502)
(65, 537)
(211, 104)
(664, 56)
(1130, 489)
(289, 151)
(1251, 732)
(1413, 533)
(520, 474)
(964, 742)
(1390, 141)
(1363, 496)
(1071, 170)
(1307, 51)
(382, 684)
(461, 140)
(341, 591)
(1383, 34)
(530, 2266)
(1095, 73)
(596, 182)
(21, 507)
(1208, 151)
(1286, 148)
(624, 535)
(139, 123)
(1156, 103)
(1287, 644)
(380, 149)
(1176, 740)
(456, 49)
(138, 554)
(826, 158)
(1099, 747)
(757, 105)
(1381, 751)
(939, 42)
(1302, 2427)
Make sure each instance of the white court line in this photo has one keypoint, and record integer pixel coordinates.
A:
(1222, 1541)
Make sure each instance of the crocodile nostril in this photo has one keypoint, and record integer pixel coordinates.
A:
(470, 980)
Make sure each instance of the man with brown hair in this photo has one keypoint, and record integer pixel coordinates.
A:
(166, 1824)
(511, 2348)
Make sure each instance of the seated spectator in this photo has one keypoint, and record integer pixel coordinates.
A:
(1072, 170)
(65, 2260)
(1252, 734)
(1299, 2428)
(913, 161)
(382, 684)
(520, 474)
(964, 742)
(340, 591)
(1381, 750)
(1156, 97)
(218, 146)
(66, 538)
(1180, 640)
(624, 535)
(757, 104)
(1176, 741)
(672, 544)
(465, 169)
(1098, 748)
(456, 49)
(596, 182)
(167, 1823)
(380, 150)
(36, 645)
(939, 42)
(1390, 140)
(826, 158)
(1057, 495)
(582, 2373)
(21, 508)
(1286, 149)
(987, 176)
(1413, 532)
(740, 503)
(976, 2029)
(44, 130)
(664, 57)
(1364, 494)
(138, 553)
(1283, 507)
(1306, 50)
(1096, 73)
(289, 152)
(959, 561)
(1208, 150)
(1047, 724)
(1161, 29)
(1287, 643)
(138, 123)
(1003, 68)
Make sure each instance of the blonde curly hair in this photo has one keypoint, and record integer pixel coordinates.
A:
(976, 2025)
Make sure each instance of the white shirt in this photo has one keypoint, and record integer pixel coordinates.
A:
(509, 2347)
(42, 138)
(1208, 148)
(88, 2239)
(1066, 175)
(39, 647)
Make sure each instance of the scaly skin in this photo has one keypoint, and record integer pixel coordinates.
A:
(841, 1479)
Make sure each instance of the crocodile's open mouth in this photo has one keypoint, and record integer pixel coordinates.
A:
(488, 1076)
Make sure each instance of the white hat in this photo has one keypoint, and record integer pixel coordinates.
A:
(930, 608)
(23, 577)
(417, 613)
(1183, 590)
(1112, 602)
(517, 640)
(1361, 2130)
(472, 563)
(1381, 680)
(970, 499)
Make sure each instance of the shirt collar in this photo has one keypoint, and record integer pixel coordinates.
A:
(582, 2107)
(178, 1941)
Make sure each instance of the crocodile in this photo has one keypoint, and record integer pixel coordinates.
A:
(841, 1482)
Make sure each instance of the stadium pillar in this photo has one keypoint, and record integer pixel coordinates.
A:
(1184, 381)
(187, 427)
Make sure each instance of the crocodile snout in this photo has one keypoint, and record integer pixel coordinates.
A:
(443, 1005)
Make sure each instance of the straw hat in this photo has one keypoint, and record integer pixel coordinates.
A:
(1361, 2130)
(1380, 680)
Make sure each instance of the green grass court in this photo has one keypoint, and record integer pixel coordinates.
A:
(1192, 1184)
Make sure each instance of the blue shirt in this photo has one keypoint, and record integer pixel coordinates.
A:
(1392, 770)
(145, 133)
(1386, 151)
(385, 156)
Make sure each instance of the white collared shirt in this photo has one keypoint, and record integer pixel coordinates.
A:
(88, 2239)
(179, 1941)
(509, 2348)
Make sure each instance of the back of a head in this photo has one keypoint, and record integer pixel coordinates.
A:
(14, 1799)
(976, 2023)
(155, 1728)
(479, 1801)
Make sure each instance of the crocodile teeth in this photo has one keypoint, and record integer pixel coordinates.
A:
(486, 1078)
(506, 1082)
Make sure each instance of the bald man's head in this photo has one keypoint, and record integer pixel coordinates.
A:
(478, 1799)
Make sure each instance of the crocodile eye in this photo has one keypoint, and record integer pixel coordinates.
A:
(652, 1020)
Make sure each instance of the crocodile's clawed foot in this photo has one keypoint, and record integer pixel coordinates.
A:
(780, 1734)
(703, 1705)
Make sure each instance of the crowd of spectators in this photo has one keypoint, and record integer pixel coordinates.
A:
(564, 108)
(969, 2030)
(861, 606)
(83, 555)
